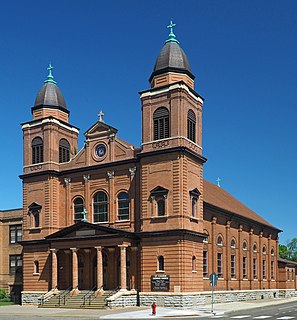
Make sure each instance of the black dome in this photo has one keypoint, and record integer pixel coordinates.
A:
(50, 95)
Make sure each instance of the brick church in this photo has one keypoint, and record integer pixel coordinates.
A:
(112, 216)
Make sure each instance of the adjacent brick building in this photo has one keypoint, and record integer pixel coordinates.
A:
(112, 215)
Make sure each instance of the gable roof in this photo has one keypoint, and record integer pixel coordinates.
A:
(220, 198)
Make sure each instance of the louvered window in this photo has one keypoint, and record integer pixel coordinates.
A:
(37, 150)
(64, 151)
(161, 123)
(100, 207)
(191, 126)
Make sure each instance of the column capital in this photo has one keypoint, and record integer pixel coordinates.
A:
(214, 220)
(52, 250)
(99, 248)
(132, 171)
(123, 246)
(240, 227)
(74, 249)
(110, 174)
(228, 223)
(261, 234)
(86, 177)
(67, 181)
(251, 231)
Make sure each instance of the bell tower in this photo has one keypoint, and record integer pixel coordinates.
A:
(50, 143)
(172, 161)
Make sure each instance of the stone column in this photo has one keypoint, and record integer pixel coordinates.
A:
(228, 259)
(54, 268)
(99, 268)
(74, 268)
(251, 256)
(123, 273)
(213, 244)
(240, 256)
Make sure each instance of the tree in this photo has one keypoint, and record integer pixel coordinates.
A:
(289, 251)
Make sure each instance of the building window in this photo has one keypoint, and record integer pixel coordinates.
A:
(161, 123)
(255, 248)
(233, 245)
(15, 233)
(244, 267)
(34, 211)
(158, 198)
(194, 195)
(219, 241)
(264, 269)
(37, 150)
(205, 264)
(161, 263)
(161, 207)
(193, 263)
(36, 267)
(264, 250)
(272, 269)
(100, 207)
(15, 264)
(64, 151)
(272, 251)
(233, 275)
(244, 246)
(255, 268)
(123, 206)
(191, 126)
(220, 264)
(78, 208)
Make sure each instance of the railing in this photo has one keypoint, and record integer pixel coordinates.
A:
(42, 299)
(62, 296)
(88, 296)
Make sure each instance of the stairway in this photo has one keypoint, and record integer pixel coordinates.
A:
(78, 302)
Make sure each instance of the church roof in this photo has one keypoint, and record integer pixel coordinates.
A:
(172, 58)
(220, 198)
(50, 95)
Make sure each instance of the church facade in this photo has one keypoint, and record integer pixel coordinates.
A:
(115, 216)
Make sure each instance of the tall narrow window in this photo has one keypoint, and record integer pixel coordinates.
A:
(37, 150)
(191, 126)
(78, 207)
(232, 244)
(255, 268)
(36, 267)
(232, 266)
(123, 206)
(194, 196)
(264, 269)
(160, 263)
(100, 207)
(219, 241)
(220, 264)
(15, 264)
(193, 263)
(15, 233)
(244, 267)
(205, 264)
(161, 123)
(161, 207)
(64, 151)
(272, 269)
(35, 211)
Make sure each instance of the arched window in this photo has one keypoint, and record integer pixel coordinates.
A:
(161, 207)
(36, 266)
(272, 251)
(123, 206)
(64, 151)
(193, 263)
(219, 241)
(233, 245)
(100, 207)
(255, 248)
(191, 126)
(160, 263)
(78, 208)
(264, 250)
(244, 246)
(37, 150)
(161, 123)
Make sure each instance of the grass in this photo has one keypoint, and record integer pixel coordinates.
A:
(6, 303)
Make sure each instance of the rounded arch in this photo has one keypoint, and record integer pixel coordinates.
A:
(272, 252)
(64, 150)
(161, 265)
(191, 125)
(161, 123)
(255, 248)
(220, 240)
(244, 245)
(78, 207)
(233, 243)
(100, 206)
(123, 205)
(37, 150)
(264, 249)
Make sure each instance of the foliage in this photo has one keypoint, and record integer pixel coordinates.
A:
(289, 251)
(3, 294)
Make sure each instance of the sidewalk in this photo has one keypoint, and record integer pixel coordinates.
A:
(8, 312)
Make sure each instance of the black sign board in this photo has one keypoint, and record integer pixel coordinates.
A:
(160, 283)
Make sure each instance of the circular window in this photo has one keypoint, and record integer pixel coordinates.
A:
(100, 150)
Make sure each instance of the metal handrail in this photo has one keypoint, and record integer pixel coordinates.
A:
(88, 295)
(63, 295)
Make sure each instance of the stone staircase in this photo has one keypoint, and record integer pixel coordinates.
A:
(84, 300)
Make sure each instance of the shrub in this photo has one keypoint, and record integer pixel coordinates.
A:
(3, 294)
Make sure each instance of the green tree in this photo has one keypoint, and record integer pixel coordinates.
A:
(289, 251)
(283, 252)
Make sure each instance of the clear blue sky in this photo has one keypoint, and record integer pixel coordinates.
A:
(242, 52)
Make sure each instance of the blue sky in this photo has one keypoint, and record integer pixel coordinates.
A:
(243, 53)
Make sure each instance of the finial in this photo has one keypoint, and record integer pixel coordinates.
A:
(100, 115)
(50, 77)
(218, 182)
(171, 36)
(84, 213)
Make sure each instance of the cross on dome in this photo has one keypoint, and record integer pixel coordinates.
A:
(50, 77)
(171, 36)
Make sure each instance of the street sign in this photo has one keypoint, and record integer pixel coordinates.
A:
(213, 279)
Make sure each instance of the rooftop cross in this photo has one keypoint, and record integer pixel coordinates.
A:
(171, 36)
(218, 182)
(100, 115)
(84, 213)
(50, 77)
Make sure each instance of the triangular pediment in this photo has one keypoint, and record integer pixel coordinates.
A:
(34, 206)
(85, 229)
(159, 191)
(99, 130)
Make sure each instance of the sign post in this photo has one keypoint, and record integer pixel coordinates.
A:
(213, 282)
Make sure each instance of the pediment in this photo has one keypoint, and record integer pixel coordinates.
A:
(85, 229)
(34, 206)
(159, 191)
(99, 130)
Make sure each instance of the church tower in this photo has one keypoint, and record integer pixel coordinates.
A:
(49, 144)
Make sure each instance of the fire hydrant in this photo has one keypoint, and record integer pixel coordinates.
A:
(154, 309)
